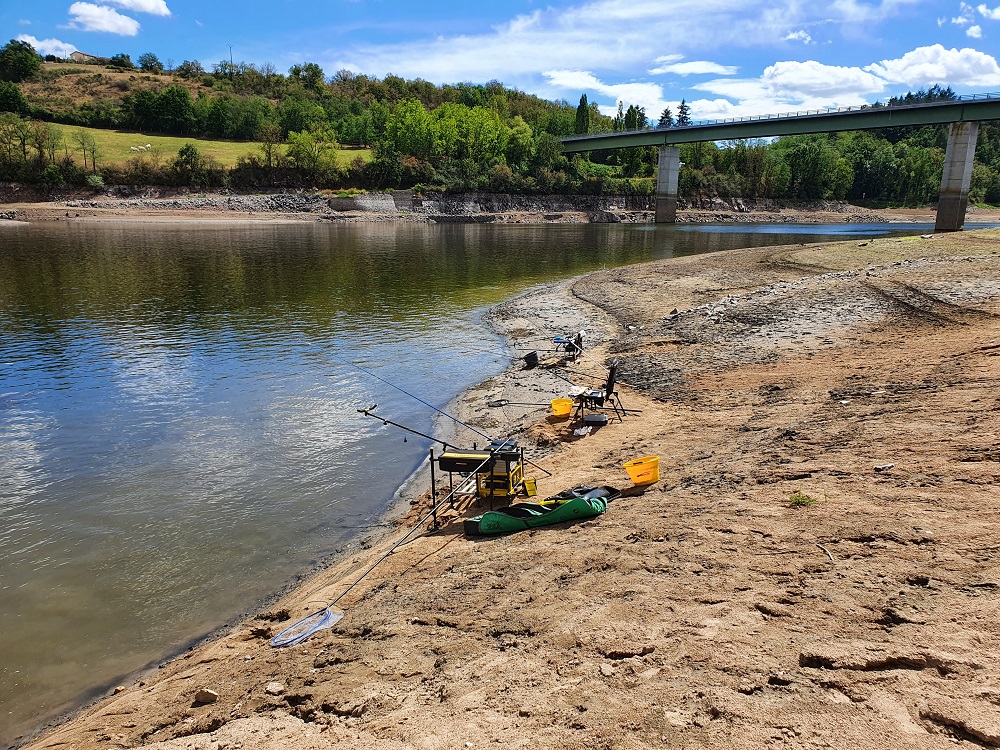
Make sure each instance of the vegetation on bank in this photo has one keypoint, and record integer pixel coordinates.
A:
(247, 126)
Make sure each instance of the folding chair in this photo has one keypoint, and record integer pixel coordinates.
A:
(606, 397)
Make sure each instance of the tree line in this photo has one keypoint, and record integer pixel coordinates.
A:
(450, 137)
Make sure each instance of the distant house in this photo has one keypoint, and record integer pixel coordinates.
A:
(83, 57)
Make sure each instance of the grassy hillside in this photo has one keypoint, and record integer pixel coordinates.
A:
(63, 86)
(114, 147)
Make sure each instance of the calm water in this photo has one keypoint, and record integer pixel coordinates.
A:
(178, 434)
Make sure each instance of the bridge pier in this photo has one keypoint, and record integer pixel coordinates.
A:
(957, 178)
(667, 170)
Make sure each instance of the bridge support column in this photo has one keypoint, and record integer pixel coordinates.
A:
(668, 169)
(957, 177)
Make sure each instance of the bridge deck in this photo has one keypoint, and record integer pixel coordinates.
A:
(968, 109)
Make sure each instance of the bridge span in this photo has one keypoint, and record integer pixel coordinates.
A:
(963, 115)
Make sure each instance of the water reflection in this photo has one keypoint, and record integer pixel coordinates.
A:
(178, 427)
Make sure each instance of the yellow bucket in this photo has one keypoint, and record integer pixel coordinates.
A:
(645, 470)
(561, 407)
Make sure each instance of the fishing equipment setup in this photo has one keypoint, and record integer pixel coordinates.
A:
(330, 615)
(498, 472)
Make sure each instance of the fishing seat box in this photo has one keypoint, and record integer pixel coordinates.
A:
(465, 462)
(504, 478)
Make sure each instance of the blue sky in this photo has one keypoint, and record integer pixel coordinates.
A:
(725, 57)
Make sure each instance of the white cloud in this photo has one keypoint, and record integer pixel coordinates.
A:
(90, 17)
(153, 7)
(852, 11)
(24, 22)
(812, 79)
(695, 67)
(607, 35)
(646, 95)
(992, 13)
(975, 32)
(966, 15)
(926, 66)
(48, 46)
(799, 36)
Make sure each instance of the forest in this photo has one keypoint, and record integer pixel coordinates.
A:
(454, 137)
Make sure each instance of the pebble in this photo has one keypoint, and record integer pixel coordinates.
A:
(274, 688)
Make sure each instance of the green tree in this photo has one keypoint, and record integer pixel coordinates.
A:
(121, 60)
(296, 114)
(582, 116)
(814, 164)
(310, 75)
(12, 99)
(18, 61)
(88, 147)
(190, 69)
(270, 138)
(410, 130)
(150, 63)
(520, 144)
(45, 138)
(176, 114)
(191, 168)
(683, 114)
(313, 152)
(666, 119)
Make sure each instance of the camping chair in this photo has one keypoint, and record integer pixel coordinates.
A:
(596, 400)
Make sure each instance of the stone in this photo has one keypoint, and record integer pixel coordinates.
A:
(206, 696)
(274, 688)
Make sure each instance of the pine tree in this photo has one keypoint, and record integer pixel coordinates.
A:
(666, 119)
(683, 114)
(583, 117)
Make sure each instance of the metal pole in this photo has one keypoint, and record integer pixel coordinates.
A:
(433, 491)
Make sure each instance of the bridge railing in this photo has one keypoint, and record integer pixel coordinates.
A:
(793, 115)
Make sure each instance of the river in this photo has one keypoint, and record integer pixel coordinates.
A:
(178, 428)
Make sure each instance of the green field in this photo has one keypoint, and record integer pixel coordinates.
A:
(114, 147)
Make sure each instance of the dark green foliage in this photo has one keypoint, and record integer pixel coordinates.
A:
(582, 116)
(466, 137)
(11, 98)
(190, 69)
(192, 169)
(150, 63)
(18, 61)
(122, 61)
(683, 114)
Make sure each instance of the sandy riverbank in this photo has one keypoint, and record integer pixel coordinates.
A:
(708, 610)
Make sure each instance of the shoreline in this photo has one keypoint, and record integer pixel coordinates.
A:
(740, 320)
(472, 208)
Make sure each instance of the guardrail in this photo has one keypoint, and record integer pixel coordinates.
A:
(794, 115)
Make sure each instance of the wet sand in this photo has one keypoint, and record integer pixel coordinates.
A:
(818, 565)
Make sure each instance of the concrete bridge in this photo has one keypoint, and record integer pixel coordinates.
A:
(963, 115)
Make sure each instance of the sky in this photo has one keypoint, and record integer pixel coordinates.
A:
(725, 58)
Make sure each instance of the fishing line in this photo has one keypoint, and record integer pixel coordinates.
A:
(402, 390)
(329, 616)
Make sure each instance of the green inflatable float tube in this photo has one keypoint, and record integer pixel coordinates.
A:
(574, 504)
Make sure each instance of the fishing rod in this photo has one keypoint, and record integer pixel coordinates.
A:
(422, 401)
(368, 413)
(439, 411)
(505, 402)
